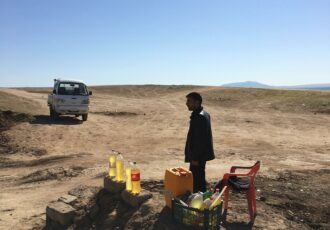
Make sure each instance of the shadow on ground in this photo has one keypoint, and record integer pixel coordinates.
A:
(63, 120)
(237, 225)
(165, 221)
(291, 208)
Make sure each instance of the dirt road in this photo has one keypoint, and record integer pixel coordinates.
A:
(148, 125)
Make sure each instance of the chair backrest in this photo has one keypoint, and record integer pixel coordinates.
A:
(255, 168)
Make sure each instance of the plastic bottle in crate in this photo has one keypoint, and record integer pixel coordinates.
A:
(216, 194)
(207, 194)
(217, 201)
(206, 203)
(197, 201)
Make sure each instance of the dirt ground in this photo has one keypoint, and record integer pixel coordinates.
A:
(287, 130)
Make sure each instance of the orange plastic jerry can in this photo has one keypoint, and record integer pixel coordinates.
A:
(177, 182)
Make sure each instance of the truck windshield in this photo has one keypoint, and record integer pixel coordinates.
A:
(68, 88)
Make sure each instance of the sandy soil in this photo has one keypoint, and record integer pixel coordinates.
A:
(44, 159)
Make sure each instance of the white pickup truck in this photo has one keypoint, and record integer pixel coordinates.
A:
(69, 97)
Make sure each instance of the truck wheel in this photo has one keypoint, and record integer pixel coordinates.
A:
(53, 114)
(84, 117)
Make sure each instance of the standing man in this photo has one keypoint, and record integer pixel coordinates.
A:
(199, 145)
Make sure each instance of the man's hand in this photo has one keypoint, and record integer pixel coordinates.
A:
(194, 163)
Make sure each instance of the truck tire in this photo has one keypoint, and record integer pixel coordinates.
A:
(84, 117)
(53, 114)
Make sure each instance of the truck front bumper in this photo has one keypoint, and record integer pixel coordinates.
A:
(72, 110)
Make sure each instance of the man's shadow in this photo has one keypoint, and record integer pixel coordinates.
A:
(63, 120)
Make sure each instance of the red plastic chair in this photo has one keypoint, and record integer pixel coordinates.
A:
(250, 190)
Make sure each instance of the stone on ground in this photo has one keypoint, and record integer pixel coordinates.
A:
(60, 212)
(113, 186)
(135, 200)
(68, 199)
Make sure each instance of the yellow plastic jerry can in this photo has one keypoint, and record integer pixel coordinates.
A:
(177, 182)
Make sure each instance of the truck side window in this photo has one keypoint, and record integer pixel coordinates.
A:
(61, 91)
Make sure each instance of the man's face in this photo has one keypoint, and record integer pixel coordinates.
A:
(192, 104)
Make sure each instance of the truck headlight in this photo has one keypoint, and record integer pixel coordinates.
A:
(86, 101)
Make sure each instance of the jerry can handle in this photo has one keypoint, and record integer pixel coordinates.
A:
(180, 171)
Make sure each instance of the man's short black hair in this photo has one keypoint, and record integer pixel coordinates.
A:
(195, 96)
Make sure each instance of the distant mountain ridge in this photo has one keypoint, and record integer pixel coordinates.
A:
(248, 84)
(254, 84)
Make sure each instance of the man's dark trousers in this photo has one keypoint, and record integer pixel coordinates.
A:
(198, 172)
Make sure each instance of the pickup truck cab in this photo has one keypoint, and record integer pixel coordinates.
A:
(69, 97)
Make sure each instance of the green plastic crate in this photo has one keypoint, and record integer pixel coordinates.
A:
(196, 218)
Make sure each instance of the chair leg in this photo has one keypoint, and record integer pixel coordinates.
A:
(254, 202)
(226, 198)
(250, 205)
(225, 204)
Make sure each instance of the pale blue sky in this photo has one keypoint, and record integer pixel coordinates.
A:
(279, 42)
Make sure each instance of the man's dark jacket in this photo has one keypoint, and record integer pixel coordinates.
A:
(199, 145)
